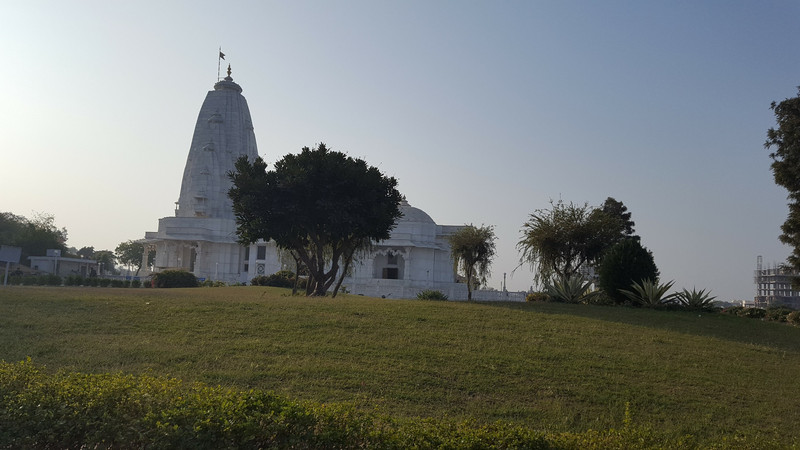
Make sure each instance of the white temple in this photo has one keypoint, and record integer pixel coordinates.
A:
(201, 237)
(416, 257)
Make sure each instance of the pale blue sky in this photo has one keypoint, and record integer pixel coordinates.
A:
(484, 111)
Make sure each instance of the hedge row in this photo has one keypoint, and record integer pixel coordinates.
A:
(73, 410)
(71, 280)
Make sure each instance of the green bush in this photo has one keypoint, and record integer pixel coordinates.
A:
(50, 280)
(431, 294)
(283, 278)
(136, 283)
(778, 313)
(694, 299)
(104, 282)
(601, 298)
(537, 297)
(650, 294)
(572, 289)
(733, 310)
(212, 283)
(753, 313)
(625, 263)
(793, 318)
(74, 410)
(174, 279)
(74, 280)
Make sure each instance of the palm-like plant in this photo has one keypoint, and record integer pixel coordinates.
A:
(472, 249)
(569, 289)
(650, 293)
(696, 299)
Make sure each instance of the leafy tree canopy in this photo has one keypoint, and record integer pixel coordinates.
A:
(321, 204)
(559, 241)
(785, 139)
(130, 253)
(615, 208)
(107, 260)
(472, 250)
(35, 236)
(86, 252)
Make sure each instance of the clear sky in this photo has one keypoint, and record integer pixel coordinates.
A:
(483, 111)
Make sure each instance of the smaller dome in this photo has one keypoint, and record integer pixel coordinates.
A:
(411, 214)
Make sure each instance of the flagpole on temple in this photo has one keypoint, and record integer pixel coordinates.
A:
(221, 57)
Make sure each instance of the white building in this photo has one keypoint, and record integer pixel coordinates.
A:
(201, 237)
(416, 257)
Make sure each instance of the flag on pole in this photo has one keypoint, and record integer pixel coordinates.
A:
(221, 55)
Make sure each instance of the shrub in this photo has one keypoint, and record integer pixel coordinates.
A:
(113, 410)
(733, 310)
(601, 298)
(625, 263)
(753, 313)
(650, 294)
(136, 283)
(104, 282)
(282, 278)
(73, 410)
(51, 280)
(793, 318)
(431, 294)
(778, 313)
(569, 289)
(212, 283)
(174, 279)
(537, 297)
(695, 299)
(74, 280)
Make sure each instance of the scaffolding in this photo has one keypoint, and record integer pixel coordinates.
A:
(774, 286)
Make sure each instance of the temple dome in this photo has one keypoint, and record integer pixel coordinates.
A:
(412, 214)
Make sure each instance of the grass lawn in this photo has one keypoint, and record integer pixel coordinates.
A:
(547, 366)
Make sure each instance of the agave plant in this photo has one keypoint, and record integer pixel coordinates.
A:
(569, 289)
(650, 293)
(695, 299)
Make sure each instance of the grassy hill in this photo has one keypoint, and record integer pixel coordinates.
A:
(552, 367)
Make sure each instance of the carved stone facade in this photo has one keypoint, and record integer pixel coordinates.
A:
(201, 237)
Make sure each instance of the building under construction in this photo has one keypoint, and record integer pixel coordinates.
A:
(774, 286)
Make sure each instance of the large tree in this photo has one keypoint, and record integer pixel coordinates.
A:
(472, 250)
(786, 168)
(107, 261)
(617, 209)
(559, 241)
(35, 236)
(130, 253)
(322, 205)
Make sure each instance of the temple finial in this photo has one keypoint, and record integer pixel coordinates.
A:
(229, 69)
